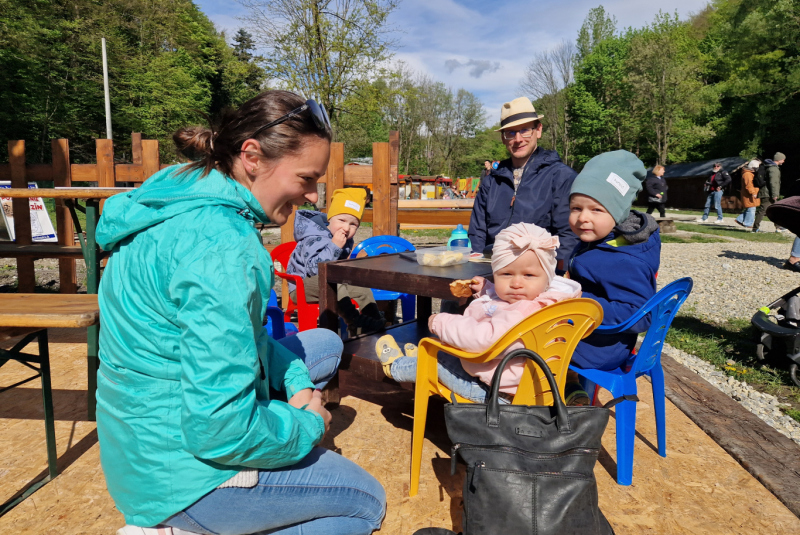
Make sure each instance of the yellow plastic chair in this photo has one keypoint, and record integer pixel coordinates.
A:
(552, 332)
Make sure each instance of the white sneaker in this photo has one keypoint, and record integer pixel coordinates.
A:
(136, 530)
(701, 220)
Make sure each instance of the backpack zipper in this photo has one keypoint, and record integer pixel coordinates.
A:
(454, 452)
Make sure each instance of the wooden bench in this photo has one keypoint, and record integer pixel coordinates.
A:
(41, 250)
(29, 316)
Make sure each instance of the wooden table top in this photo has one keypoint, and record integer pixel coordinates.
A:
(400, 272)
(62, 193)
(48, 310)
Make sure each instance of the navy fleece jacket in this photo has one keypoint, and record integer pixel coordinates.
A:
(619, 272)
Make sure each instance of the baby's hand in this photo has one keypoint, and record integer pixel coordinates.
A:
(340, 238)
(430, 322)
(477, 285)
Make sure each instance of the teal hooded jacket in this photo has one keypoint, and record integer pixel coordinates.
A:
(185, 365)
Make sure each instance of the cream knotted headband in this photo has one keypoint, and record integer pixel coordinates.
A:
(520, 237)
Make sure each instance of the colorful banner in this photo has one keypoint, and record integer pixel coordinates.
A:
(41, 226)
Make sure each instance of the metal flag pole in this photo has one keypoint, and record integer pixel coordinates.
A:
(105, 87)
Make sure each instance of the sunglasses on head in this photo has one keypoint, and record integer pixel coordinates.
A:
(317, 111)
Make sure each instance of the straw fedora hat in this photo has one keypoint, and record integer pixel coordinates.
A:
(518, 111)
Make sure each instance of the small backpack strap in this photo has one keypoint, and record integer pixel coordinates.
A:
(620, 399)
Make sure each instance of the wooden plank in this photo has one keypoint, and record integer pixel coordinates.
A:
(334, 177)
(48, 310)
(37, 172)
(287, 235)
(83, 172)
(151, 160)
(66, 193)
(381, 194)
(105, 163)
(26, 275)
(427, 217)
(127, 172)
(769, 456)
(394, 193)
(357, 174)
(136, 147)
(40, 250)
(436, 203)
(62, 178)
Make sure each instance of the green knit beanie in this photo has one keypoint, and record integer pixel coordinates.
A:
(613, 179)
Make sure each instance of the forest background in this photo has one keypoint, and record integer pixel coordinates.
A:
(722, 82)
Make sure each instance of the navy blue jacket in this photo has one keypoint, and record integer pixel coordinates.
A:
(621, 278)
(542, 199)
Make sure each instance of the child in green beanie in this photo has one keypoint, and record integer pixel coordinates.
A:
(616, 260)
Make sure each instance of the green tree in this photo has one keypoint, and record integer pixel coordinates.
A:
(322, 48)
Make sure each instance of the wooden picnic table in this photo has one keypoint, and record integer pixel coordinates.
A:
(88, 249)
(29, 316)
(397, 272)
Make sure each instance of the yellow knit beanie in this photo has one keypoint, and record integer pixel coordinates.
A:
(348, 201)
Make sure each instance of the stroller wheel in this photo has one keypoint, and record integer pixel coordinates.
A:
(793, 374)
(760, 353)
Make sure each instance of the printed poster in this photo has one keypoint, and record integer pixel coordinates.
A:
(41, 226)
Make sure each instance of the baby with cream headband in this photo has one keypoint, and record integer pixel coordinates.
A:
(524, 272)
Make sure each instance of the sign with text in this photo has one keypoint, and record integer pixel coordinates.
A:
(41, 226)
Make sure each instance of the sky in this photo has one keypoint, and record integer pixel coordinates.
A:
(484, 45)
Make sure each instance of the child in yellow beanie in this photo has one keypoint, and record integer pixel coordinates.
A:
(322, 238)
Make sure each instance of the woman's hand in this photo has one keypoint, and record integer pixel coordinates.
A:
(478, 285)
(315, 405)
(302, 397)
(340, 238)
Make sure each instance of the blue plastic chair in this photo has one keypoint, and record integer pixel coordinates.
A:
(377, 245)
(647, 361)
(276, 327)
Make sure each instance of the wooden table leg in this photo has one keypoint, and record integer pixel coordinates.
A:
(92, 257)
(328, 319)
(424, 309)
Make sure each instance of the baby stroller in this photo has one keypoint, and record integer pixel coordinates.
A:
(779, 324)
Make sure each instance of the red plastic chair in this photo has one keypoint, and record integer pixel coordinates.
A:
(307, 313)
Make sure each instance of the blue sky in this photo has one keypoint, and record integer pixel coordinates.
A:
(484, 45)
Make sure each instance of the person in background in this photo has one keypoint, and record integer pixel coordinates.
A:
(656, 187)
(532, 186)
(719, 180)
(769, 194)
(749, 195)
(487, 168)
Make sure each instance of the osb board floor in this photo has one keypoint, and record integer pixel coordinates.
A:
(697, 489)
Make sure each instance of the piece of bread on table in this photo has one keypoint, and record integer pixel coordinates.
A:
(460, 288)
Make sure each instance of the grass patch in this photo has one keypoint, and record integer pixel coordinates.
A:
(735, 341)
(694, 238)
(736, 233)
(442, 233)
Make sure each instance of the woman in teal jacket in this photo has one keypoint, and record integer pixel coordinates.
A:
(205, 423)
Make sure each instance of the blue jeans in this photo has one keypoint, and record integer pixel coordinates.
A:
(716, 198)
(747, 216)
(324, 493)
(451, 374)
(796, 248)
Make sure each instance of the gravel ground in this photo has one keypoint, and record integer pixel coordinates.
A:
(731, 279)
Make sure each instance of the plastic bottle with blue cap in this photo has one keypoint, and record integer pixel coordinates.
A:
(459, 238)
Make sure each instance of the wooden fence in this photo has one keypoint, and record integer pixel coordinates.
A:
(63, 173)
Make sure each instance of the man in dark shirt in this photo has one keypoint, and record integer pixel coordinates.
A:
(716, 184)
(532, 186)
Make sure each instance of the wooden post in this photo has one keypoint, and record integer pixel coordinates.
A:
(287, 235)
(62, 178)
(335, 173)
(26, 276)
(104, 149)
(381, 196)
(394, 156)
(151, 160)
(136, 147)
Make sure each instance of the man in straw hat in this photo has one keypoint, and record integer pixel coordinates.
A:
(532, 186)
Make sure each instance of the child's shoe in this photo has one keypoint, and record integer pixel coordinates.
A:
(411, 350)
(388, 351)
(576, 396)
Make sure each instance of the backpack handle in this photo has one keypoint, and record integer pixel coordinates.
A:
(493, 404)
